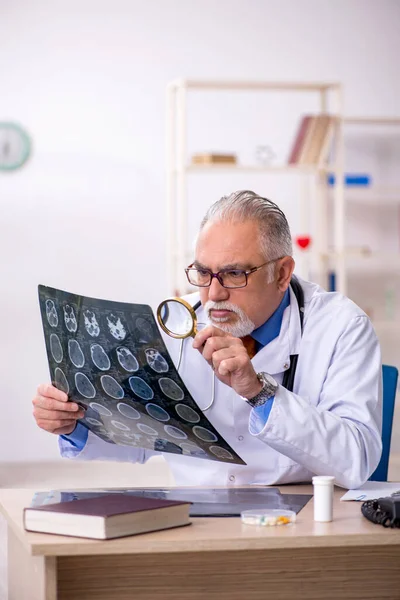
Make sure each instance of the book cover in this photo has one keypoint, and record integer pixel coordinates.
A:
(110, 358)
(213, 158)
(308, 141)
(326, 144)
(318, 139)
(299, 140)
(107, 516)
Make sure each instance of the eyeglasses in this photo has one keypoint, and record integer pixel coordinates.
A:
(228, 278)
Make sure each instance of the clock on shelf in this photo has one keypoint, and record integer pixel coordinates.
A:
(15, 146)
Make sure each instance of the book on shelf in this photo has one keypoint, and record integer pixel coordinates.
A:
(107, 517)
(299, 140)
(313, 140)
(211, 158)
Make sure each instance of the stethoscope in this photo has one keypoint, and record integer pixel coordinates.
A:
(181, 323)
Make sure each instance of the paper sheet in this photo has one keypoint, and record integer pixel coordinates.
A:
(372, 490)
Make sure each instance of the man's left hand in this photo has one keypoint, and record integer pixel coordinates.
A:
(229, 359)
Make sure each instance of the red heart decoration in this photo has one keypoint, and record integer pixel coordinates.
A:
(303, 241)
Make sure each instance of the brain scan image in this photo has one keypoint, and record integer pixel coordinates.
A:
(187, 414)
(193, 450)
(127, 360)
(163, 445)
(102, 410)
(221, 452)
(116, 328)
(156, 361)
(56, 348)
(51, 313)
(60, 381)
(70, 319)
(84, 386)
(140, 388)
(143, 330)
(99, 357)
(128, 411)
(204, 434)
(120, 426)
(112, 387)
(157, 412)
(91, 324)
(111, 358)
(94, 421)
(75, 354)
(175, 432)
(146, 429)
(171, 389)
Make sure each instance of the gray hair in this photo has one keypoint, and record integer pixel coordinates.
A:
(245, 205)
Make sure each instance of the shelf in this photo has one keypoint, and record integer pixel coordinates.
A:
(362, 259)
(386, 326)
(299, 169)
(328, 98)
(279, 86)
(372, 194)
(371, 120)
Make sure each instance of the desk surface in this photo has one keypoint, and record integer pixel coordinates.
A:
(349, 528)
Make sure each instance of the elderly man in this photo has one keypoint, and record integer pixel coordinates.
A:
(297, 369)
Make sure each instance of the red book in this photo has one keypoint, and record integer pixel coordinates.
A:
(299, 140)
(106, 517)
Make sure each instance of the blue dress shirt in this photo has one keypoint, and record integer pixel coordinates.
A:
(263, 336)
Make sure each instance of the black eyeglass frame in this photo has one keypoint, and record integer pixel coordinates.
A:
(218, 274)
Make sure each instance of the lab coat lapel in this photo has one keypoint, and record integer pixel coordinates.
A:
(274, 358)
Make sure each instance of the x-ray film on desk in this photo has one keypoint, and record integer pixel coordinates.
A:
(110, 358)
(205, 502)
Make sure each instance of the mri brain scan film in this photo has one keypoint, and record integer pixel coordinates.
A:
(110, 358)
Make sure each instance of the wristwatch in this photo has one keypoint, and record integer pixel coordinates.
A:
(269, 387)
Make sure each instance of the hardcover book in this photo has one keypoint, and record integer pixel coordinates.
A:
(209, 158)
(106, 517)
(313, 140)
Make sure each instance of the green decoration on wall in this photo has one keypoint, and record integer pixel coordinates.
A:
(15, 146)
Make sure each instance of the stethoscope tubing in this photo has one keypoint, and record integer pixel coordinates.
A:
(288, 379)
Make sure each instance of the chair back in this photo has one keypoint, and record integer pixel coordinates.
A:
(389, 379)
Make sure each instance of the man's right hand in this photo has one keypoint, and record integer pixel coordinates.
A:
(53, 412)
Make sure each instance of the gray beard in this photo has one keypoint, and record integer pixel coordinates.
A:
(243, 326)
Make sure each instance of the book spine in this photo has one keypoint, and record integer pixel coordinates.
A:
(323, 156)
(319, 138)
(299, 140)
(209, 160)
(304, 158)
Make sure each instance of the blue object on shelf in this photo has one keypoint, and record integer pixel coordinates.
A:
(351, 179)
(332, 281)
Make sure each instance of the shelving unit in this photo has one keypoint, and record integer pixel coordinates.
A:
(179, 169)
(372, 275)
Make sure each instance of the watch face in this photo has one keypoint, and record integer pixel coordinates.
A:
(15, 146)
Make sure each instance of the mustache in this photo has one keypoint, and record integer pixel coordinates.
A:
(223, 305)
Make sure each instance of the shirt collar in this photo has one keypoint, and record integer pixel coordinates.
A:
(272, 327)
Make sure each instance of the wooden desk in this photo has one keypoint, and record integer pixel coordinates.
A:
(219, 559)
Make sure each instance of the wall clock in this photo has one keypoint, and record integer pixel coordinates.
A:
(15, 146)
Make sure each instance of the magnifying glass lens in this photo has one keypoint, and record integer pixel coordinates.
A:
(177, 318)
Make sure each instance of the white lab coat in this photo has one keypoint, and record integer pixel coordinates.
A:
(329, 425)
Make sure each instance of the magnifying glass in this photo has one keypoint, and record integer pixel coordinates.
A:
(177, 318)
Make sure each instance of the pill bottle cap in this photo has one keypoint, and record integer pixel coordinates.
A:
(323, 480)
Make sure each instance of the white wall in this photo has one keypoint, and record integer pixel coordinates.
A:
(88, 78)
